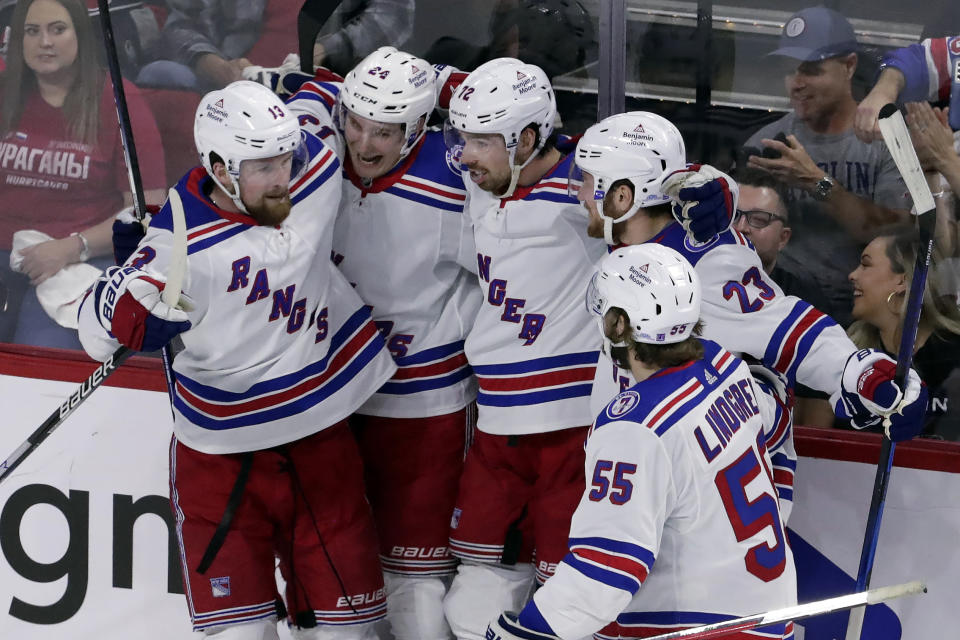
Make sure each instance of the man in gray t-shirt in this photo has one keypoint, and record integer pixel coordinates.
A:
(841, 189)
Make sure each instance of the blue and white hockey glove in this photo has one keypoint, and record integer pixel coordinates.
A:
(128, 305)
(128, 232)
(869, 394)
(508, 627)
(704, 200)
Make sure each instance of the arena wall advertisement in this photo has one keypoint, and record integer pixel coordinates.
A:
(87, 545)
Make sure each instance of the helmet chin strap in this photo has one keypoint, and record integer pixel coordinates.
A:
(608, 223)
(515, 169)
(236, 188)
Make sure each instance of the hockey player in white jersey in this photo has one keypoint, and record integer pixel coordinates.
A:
(403, 238)
(633, 164)
(278, 351)
(531, 346)
(680, 524)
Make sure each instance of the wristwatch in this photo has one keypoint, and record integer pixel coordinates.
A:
(821, 191)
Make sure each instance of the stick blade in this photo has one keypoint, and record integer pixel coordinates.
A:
(897, 137)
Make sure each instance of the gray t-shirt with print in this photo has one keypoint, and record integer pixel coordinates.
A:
(819, 243)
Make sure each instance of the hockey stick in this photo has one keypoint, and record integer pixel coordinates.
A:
(798, 612)
(895, 134)
(170, 296)
(312, 17)
(171, 292)
(120, 101)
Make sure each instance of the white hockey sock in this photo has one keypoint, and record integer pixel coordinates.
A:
(415, 607)
(480, 592)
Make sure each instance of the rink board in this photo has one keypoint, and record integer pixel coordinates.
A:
(87, 550)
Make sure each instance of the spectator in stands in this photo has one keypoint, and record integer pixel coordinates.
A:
(764, 218)
(881, 286)
(843, 188)
(210, 42)
(62, 172)
(556, 35)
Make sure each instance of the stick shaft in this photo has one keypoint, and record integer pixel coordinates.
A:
(123, 115)
(798, 612)
(897, 138)
(81, 393)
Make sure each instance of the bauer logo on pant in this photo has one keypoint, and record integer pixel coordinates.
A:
(220, 587)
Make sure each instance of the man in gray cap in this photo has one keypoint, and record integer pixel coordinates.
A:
(842, 189)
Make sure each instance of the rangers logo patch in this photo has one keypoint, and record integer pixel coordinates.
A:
(220, 587)
(622, 404)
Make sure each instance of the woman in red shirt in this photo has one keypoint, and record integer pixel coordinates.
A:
(62, 169)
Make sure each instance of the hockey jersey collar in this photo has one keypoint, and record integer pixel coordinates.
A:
(385, 181)
(557, 170)
(195, 183)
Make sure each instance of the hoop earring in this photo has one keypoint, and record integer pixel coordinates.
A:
(890, 297)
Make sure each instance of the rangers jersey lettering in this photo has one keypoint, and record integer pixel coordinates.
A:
(679, 524)
(533, 346)
(281, 346)
(405, 242)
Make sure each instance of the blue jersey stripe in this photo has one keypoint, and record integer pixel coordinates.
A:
(301, 404)
(317, 182)
(285, 381)
(606, 576)
(776, 342)
(430, 355)
(679, 413)
(415, 386)
(215, 238)
(538, 364)
(617, 546)
(423, 198)
(806, 343)
(536, 397)
(551, 197)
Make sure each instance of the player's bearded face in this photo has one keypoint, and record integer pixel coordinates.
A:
(265, 188)
(486, 156)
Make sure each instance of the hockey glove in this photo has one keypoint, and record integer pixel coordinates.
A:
(507, 627)
(284, 80)
(128, 232)
(869, 394)
(704, 200)
(128, 305)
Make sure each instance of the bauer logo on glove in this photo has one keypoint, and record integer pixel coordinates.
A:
(128, 305)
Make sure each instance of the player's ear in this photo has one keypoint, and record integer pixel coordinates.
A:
(220, 175)
(623, 199)
(528, 139)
